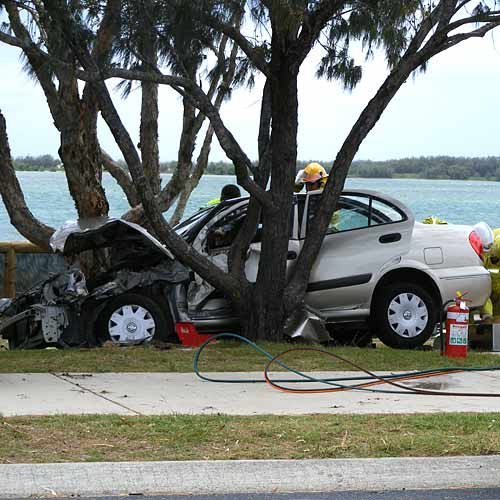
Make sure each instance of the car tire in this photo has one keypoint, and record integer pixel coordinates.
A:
(404, 315)
(20, 337)
(132, 319)
(352, 337)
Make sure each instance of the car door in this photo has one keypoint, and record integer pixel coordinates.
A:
(254, 252)
(367, 234)
(215, 239)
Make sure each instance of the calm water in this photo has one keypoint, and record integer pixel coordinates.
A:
(460, 202)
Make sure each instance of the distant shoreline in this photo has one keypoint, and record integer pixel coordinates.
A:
(423, 167)
(396, 176)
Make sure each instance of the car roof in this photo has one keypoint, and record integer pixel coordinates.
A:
(347, 192)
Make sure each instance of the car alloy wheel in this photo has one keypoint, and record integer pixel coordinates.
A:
(404, 314)
(407, 315)
(131, 324)
(134, 318)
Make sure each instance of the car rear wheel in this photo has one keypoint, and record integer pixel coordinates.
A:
(404, 315)
(131, 319)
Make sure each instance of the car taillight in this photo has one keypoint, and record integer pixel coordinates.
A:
(476, 243)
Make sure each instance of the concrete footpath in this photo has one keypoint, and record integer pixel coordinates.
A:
(176, 393)
(184, 393)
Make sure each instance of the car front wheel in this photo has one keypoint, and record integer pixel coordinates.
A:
(131, 319)
(404, 315)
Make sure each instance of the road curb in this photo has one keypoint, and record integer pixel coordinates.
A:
(247, 476)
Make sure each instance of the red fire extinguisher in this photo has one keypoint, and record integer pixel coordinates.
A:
(457, 328)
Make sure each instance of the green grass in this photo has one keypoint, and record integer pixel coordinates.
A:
(218, 437)
(223, 356)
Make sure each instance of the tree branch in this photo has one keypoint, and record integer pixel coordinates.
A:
(121, 177)
(104, 43)
(255, 54)
(194, 178)
(315, 22)
(226, 139)
(37, 60)
(184, 252)
(482, 18)
(12, 194)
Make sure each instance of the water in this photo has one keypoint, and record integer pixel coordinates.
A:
(459, 202)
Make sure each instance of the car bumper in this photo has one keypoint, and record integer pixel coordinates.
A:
(474, 282)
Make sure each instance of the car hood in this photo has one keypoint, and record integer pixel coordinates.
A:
(75, 237)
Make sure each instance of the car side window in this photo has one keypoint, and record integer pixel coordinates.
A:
(355, 212)
(352, 213)
(224, 231)
(383, 213)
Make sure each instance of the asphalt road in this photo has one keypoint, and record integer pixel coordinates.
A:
(463, 494)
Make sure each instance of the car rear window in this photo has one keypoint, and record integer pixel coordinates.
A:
(385, 213)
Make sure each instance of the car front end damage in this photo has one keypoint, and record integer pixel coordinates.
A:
(64, 310)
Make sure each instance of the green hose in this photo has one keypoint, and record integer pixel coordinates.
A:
(338, 382)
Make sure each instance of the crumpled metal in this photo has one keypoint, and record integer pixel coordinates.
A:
(199, 289)
(66, 286)
(83, 234)
(308, 324)
(171, 272)
(4, 305)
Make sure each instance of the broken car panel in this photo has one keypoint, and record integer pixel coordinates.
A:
(66, 310)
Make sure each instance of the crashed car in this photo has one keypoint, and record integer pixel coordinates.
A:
(123, 303)
(378, 269)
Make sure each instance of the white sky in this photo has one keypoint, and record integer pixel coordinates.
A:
(452, 109)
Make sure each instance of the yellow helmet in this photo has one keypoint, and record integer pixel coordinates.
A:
(313, 173)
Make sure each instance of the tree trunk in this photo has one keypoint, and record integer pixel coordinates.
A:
(268, 311)
(148, 48)
(80, 153)
(171, 191)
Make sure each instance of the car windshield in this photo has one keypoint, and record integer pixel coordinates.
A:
(187, 228)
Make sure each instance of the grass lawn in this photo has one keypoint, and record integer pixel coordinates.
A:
(223, 356)
(217, 437)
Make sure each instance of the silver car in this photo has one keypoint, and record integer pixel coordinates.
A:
(378, 272)
(377, 266)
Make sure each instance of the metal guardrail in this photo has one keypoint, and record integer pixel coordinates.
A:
(11, 249)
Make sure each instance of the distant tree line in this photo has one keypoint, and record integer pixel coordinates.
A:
(423, 167)
(431, 167)
(36, 163)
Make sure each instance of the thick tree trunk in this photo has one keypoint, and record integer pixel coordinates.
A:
(80, 152)
(268, 312)
(148, 48)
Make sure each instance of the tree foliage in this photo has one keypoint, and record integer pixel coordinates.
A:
(143, 36)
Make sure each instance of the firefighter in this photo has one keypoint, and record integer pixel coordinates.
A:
(314, 177)
(492, 263)
(433, 220)
(228, 192)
